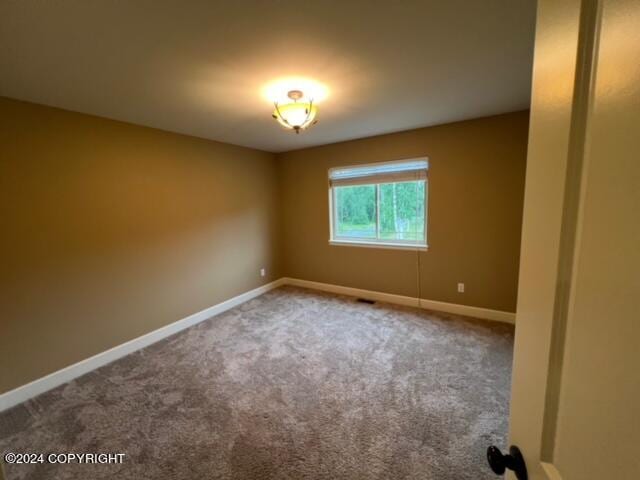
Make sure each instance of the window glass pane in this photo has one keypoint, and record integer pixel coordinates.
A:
(402, 211)
(355, 211)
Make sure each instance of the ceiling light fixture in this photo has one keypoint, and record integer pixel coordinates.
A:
(298, 114)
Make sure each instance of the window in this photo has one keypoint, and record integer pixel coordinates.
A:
(380, 204)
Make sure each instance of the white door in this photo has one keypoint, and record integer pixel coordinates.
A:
(575, 411)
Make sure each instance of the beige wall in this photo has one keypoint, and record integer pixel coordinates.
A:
(476, 188)
(111, 230)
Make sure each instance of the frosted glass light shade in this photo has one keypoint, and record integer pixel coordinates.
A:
(296, 115)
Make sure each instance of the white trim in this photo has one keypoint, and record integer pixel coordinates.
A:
(550, 471)
(353, 292)
(467, 310)
(55, 379)
(335, 240)
(393, 246)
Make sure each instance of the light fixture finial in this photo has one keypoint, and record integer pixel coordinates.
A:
(295, 95)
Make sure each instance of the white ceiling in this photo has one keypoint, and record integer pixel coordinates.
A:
(198, 66)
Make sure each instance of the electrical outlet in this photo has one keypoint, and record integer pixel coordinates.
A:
(263, 272)
(461, 288)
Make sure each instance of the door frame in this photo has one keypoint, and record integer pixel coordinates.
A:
(562, 90)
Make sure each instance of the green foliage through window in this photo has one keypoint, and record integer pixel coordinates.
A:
(386, 212)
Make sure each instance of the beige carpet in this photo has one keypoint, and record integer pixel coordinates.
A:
(295, 384)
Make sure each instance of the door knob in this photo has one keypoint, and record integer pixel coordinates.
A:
(499, 462)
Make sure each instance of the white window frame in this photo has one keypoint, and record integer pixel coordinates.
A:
(358, 242)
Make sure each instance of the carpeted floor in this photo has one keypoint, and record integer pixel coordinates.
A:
(293, 385)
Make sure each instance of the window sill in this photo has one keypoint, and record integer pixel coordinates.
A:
(392, 246)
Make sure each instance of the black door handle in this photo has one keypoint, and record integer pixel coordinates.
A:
(500, 462)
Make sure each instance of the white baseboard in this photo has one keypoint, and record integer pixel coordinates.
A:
(55, 379)
(469, 311)
(353, 292)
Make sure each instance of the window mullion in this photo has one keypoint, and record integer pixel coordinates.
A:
(377, 211)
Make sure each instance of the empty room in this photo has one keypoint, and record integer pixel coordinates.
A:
(366, 239)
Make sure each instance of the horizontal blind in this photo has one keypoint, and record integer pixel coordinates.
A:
(400, 171)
